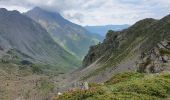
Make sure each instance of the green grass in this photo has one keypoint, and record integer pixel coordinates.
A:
(36, 69)
(45, 87)
(164, 52)
(122, 96)
(126, 86)
(122, 77)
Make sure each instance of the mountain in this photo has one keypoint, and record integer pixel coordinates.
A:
(72, 37)
(102, 30)
(153, 71)
(143, 47)
(22, 39)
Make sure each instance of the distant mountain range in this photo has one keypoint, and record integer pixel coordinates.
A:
(72, 37)
(102, 30)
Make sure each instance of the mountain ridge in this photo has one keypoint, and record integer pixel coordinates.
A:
(21, 33)
(121, 50)
(72, 37)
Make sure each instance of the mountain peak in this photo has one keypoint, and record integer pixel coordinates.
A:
(42, 10)
(38, 9)
(75, 38)
(40, 13)
(166, 18)
(3, 9)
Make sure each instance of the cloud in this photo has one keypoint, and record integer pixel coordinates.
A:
(97, 12)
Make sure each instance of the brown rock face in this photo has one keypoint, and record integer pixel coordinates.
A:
(156, 60)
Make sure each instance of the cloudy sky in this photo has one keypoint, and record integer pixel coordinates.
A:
(96, 12)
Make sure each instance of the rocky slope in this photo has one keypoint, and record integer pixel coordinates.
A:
(156, 60)
(72, 37)
(24, 39)
(121, 50)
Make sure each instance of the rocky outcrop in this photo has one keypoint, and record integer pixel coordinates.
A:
(156, 60)
(110, 42)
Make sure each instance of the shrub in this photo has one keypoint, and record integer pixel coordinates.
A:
(45, 86)
(94, 84)
(126, 86)
(79, 94)
(36, 69)
(164, 51)
(157, 87)
(123, 96)
(126, 76)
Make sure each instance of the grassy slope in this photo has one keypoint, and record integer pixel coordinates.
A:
(146, 33)
(133, 37)
(126, 86)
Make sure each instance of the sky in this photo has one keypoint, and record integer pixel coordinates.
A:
(96, 12)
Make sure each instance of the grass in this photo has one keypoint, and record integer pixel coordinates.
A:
(36, 69)
(126, 86)
(45, 87)
(164, 52)
(122, 77)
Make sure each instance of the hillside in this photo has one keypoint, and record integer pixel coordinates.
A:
(123, 51)
(125, 86)
(102, 30)
(21, 39)
(74, 38)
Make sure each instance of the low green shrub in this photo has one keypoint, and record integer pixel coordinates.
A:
(158, 87)
(79, 94)
(126, 86)
(126, 76)
(123, 96)
(36, 69)
(164, 51)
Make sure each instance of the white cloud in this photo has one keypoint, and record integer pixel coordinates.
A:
(97, 12)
